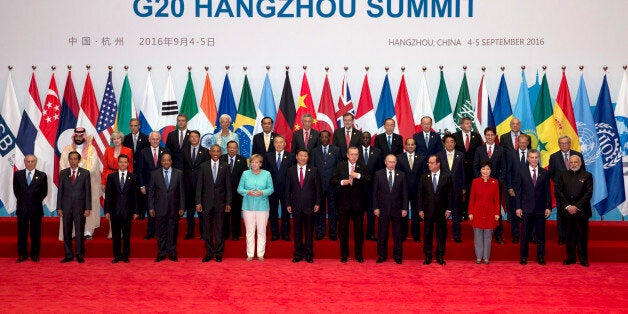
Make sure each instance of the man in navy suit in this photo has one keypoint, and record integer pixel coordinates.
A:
(372, 158)
(325, 158)
(177, 140)
(453, 164)
(510, 140)
(306, 137)
(515, 160)
(390, 205)
(533, 203)
(166, 201)
(347, 136)
(467, 142)
(237, 165)
(30, 187)
(194, 155)
(121, 208)
(278, 163)
(428, 142)
(389, 142)
(303, 198)
(263, 142)
(137, 141)
(411, 163)
(74, 200)
(149, 161)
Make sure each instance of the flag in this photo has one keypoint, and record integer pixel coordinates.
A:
(88, 118)
(9, 151)
(464, 107)
(326, 110)
(621, 117)
(385, 106)
(403, 111)
(483, 112)
(149, 118)
(423, 107)
(305, 105)
(523, 111)
(227, 104)
(534, 90)
(589, 142)
(502, 112)
(28, 136)
(564, 116)
(189, 107)
(286, 113)
(202, 122)
(245, 120)
(545, 125)
(365, 114)
(126, 107)
(48, 126)
(109, 109)
(345, 104)
(608, 136)
(267, 106)
(67, 121)
(443, 117)
(169, 110)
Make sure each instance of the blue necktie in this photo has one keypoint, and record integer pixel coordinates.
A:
(434, 183)
(427, 141)
(28, 179)
(278, 161)
(167, 179)
(366, 156)
(325, 153)
(389, 142)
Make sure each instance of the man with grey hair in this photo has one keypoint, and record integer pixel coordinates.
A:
(150, 160)
(305, 137)
(177, 140)
(225, 135)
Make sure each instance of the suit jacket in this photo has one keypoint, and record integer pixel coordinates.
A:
(212, 194)
(435, 204)
(326, 165)
(166, 202)
(348, 194)
(575, 188)
(191, 171)
(435, 145)
(146, 164)
(505, 141)
(390, 202)
(498, 161)
(279, 175)
(412, 175)
(304, 198)
(340, 142)
(457, 172)
(121, 202)
(530, 198)
(258, 144)
(239, 166)
(475, 141)
(172, 144)
(396, 147)
(77, 197)
(30, 198)
(142, 142)
(298, 143)
(557, 164)
(376, 159)
(513, 164)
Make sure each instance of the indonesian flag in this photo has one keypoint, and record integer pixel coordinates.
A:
(403, 111)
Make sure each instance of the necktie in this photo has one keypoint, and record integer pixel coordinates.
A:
(122, 181)
(434, 182)
(534, 177)
(490, 152)
(180, 139)
(523, 158)
(306, 137)
(450, 160)
(134, 142)
(427, 141)
(366, 155)
(73, 176)
(155, 157)
(390, 180)
(566, 157)
(278, 161)
(231, 164)
(516, 142)
(215, 171)
(325, 153)
(266, 141)
(411, 160)
(389, 142)
(28, 178)
(350, 172)
(167, 179)
(301, 177)
(466, 142)
(348, 138)
(193, 155)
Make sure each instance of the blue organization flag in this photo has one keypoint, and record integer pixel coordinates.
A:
(589, 143)
(385, 105)
(267, 101)
(611, 151)
(227, 104)
(534, 90)
(523, 111)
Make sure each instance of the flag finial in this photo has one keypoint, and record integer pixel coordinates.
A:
(502, 68)
(403, 69)
(326, 69)
(227, 67)
(483, 69)
(10, 67)
(206, 68)
(386, 68)
(34, 67)
(464, 68)
(69, 68)
(563, 67)
(287, 67)
(581, 67)
(168, 67)
(244, 68)
(523, 67)
(110, 67)
(440, 67)
(304, 67)
(625, 67)
(88, 67)
(424, 68)
(605, 68)
(53, 67)
(544, 67)
(267, 67)
(126, 68)
(346, 68)
(149, 68)
(366, 68)
(189, 68)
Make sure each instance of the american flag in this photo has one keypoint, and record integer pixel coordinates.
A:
(107, 113)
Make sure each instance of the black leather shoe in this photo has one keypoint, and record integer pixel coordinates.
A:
(296, 259)
(584, 263)
(500, 240)
(561, 241)
(533, 240)
(343, 259)
(398, 260)
(380, 260)
(159, 259)
(80, 260)
(359, 259)
(21, 259)
(173, 258)
(218, 259)
(126, 260)
(427, 261)
(115, 260)
(541, 261)
(569, 262)
(235, 238)
(67, 260)
(515, 240)
(207, 259)
(440, 260)
(309, 260)
(333, 237)
(319, 237)
(149, 236)
(523, 261)
(35, 258)
(188, 236)
(371, 238)
(417, 239)
(458, 240)
(286, 238)
(274, 238)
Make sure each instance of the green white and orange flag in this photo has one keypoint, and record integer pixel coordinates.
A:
(545, 124)
(208, 111)
(305, 105)
(564, 116)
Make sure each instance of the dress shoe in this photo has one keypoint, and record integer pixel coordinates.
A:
(115, 260)
(126, 260)
(561, 241)
(541, 261)
(80, 260)
(440, 260)
(89, 237)
(333, 237)
(67, 259)
(427, 261)
(371, 238)
(458, 240)
(380, 260)
(235, 238)
(319, 237)
(533, 240)
(343, 259)
(207, 259)
(286, 238)
(359, 259)
(309, 260)
(584, 263)
(486, 261)
(159, 259)
(248, 259)
(398, 260)
(35, 258)
(500, 240)
(417, 240)
(296, 259)
(523, 261)
(188, 236)
(274, 238)
(478, 261)
(173, 258)
(149, 236)
(260, 258)
(218, 259)
(21, 259)
(569, 261)
(515, 240)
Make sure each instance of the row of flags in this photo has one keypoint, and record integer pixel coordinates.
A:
(602, 136)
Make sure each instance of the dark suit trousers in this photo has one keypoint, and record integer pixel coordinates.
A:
(166, 228)
(121, 236)
(212, 232)
(303, 234)
(533, 222)
(327, 211)
(273, 216)
(74, 219)
(384, 222)
(368, 208)
(23, 225)
(415, 223)
(354, 212)
(150, 221)
(561, 215)
(428, 236)
(499, 230)
(190, 211)
(233, 220)
(577, 235)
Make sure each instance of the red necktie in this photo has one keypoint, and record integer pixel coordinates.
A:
(73, 176)
(490, 152)
(466, 142)
(534, 177)
(516, 142)
(155, 157)
(301, 177)
(348, 138)
(566, 161)
(306, 137)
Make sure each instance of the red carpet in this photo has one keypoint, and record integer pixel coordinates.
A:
(279, 286)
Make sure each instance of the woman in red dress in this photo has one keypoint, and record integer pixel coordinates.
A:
(484, 210)
(110, 161)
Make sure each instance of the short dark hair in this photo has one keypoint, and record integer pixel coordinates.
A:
(234, 142)
(271, 119)
(490, 128)
(121, 156)
(196, 132)
(486, 163)
(448, 135)
(465, 118)
(325, 131)
(302, 150)
(74, 153)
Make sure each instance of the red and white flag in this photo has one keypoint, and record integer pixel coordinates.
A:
(423, 107)
(365, 114)
(326, 112)
(403, 111)
(88, 117)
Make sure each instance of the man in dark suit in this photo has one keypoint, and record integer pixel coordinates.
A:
(390, 204)
(411, 164)
(497, 156)
(467, 142)
(559, 163)
(237, 165)
(372, 158)
(166, 203)
(121, 208)
(306, 137)
(177, 140)
(74, 200)
(428, 142)
(213, 199)
(263, 142)
(193, 156)
(278, 163)
(533, 203)
(435, 206)
(30, 187)
(303, 198)
(510, 140)
(389, 142)
(350, 177)
(574, 188)
(149, 161)
(137, 141)
(515, 160)
(326, 158)
(346, 136)
(453, 165)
